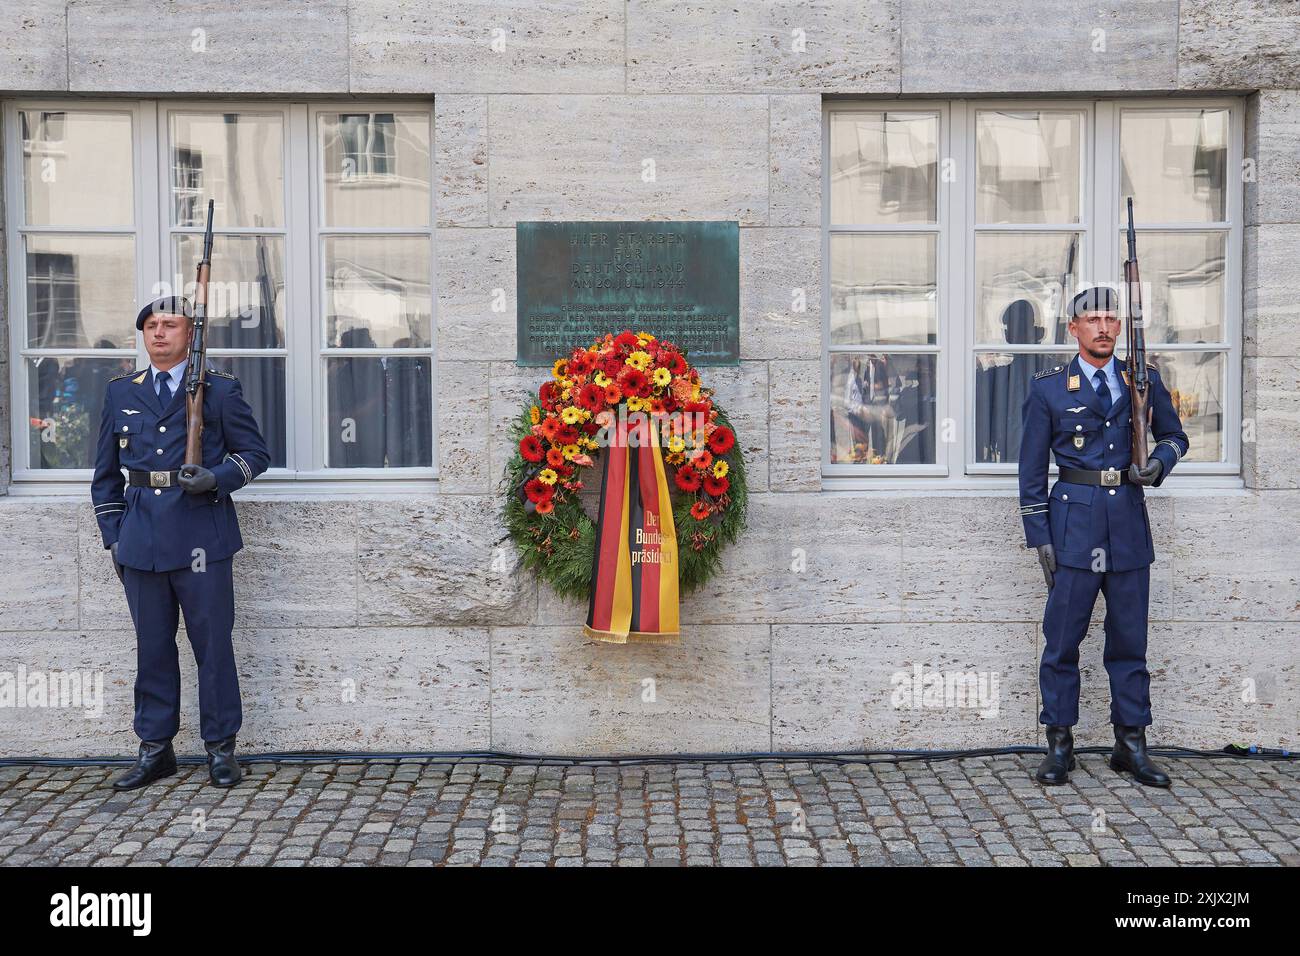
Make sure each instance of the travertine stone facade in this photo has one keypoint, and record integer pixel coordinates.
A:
(388, 623)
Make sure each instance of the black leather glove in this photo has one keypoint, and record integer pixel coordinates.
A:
(117, 565)
(1148, 475)
(195, 479)
(1047, 558)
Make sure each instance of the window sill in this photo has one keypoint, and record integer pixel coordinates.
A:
(1009, 486)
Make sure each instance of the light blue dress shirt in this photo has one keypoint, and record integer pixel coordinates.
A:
(176, 376)
(1110, 370)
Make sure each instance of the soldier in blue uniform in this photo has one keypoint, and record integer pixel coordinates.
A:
(1092, 532)
(171, 531)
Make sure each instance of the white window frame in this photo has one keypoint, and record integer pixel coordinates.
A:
(1099, 258)
(304, 351)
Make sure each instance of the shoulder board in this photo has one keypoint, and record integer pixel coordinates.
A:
(1153, 365)
(126, 375)
(217, 371)
(1049, 371)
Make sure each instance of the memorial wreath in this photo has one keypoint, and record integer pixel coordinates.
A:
(672, 484)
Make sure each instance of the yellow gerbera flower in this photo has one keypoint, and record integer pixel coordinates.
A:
(534, 414)
(676, 443)
(662, 377)
(635, 404)
(547, 477)
(571, 415)
(569, 451)
(601, 379)
(639, 360)
(719, 469)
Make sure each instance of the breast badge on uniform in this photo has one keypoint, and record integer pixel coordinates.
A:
(1078, 441)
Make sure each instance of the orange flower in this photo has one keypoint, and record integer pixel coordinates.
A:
(554, 457)
(545, 506)
(699, 510)
(703, 460)
(613, 395)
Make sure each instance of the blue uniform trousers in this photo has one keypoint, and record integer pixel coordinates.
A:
(207, 599)
(1065, 623)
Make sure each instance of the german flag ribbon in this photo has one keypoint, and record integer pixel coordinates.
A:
(634, 595)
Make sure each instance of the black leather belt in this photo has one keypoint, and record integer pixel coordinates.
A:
(1107, 479)
(153, 479)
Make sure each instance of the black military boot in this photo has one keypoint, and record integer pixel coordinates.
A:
(223, 768)
(1056, 766)
(1130, 754)
(156, 760)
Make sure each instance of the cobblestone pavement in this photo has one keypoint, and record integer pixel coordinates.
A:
(977, 811)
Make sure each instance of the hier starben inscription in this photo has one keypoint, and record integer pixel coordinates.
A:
(676, 280)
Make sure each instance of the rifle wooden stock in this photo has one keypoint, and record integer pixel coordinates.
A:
(196, 379)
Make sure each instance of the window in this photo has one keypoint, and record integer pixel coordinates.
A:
(321, 298)
(954, 234)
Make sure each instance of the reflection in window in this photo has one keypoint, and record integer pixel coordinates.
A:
(882, 408)
(65, 401)
(1002, 381)
(369, 145)
(261, 379)
(380, 411)
(1195, 383)
(883, 289)
(884, 167)
(1174, 164)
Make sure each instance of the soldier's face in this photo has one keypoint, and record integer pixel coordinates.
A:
(166, 338)
(1096, 332)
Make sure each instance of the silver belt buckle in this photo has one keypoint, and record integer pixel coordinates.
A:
(160, 479)
(1109, 478)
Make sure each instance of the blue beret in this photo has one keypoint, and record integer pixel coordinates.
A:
(171, 305)
(1098, 298)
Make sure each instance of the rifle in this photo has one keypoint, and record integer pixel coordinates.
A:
(195, 379)
(1138, 381)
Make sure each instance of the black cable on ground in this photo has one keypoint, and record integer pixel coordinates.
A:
(1233, 752)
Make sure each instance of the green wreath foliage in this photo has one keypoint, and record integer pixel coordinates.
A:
(559, 547)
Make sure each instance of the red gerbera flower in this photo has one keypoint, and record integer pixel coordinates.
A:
(555, 457)
(722, 439)
(582, 362)
(537, 490)
(700, 511)
(591, 397)
(687, 478)
(672, 361)
(566, 435)
(551, 427)
(530, 448)
(545, 506)
(716, 486)
(612, 366)
(634, 382)
(627, 340)
(547, 395)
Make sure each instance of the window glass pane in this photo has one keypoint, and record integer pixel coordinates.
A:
(883, 289)
(246, 292)
(883, 167)
(1195, 382)
(377, 292)
(261, 379)
(1002, 381)
(1018, 287)
(1182, 285)
(77, 168)
(1027, 167)
(1174, 163)
(380, 411)
(80, 291)
(376, 169)
(882, 408)
(236, 159)
(65, 397)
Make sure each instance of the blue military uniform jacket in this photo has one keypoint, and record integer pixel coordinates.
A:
(157, 529)
(1082, 433)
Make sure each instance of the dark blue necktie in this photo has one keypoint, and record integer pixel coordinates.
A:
(164, 390)
(1102, 389)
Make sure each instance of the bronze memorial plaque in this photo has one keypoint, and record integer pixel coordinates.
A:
(678, 281)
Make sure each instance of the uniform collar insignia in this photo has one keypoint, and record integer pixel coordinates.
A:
(141, 377)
